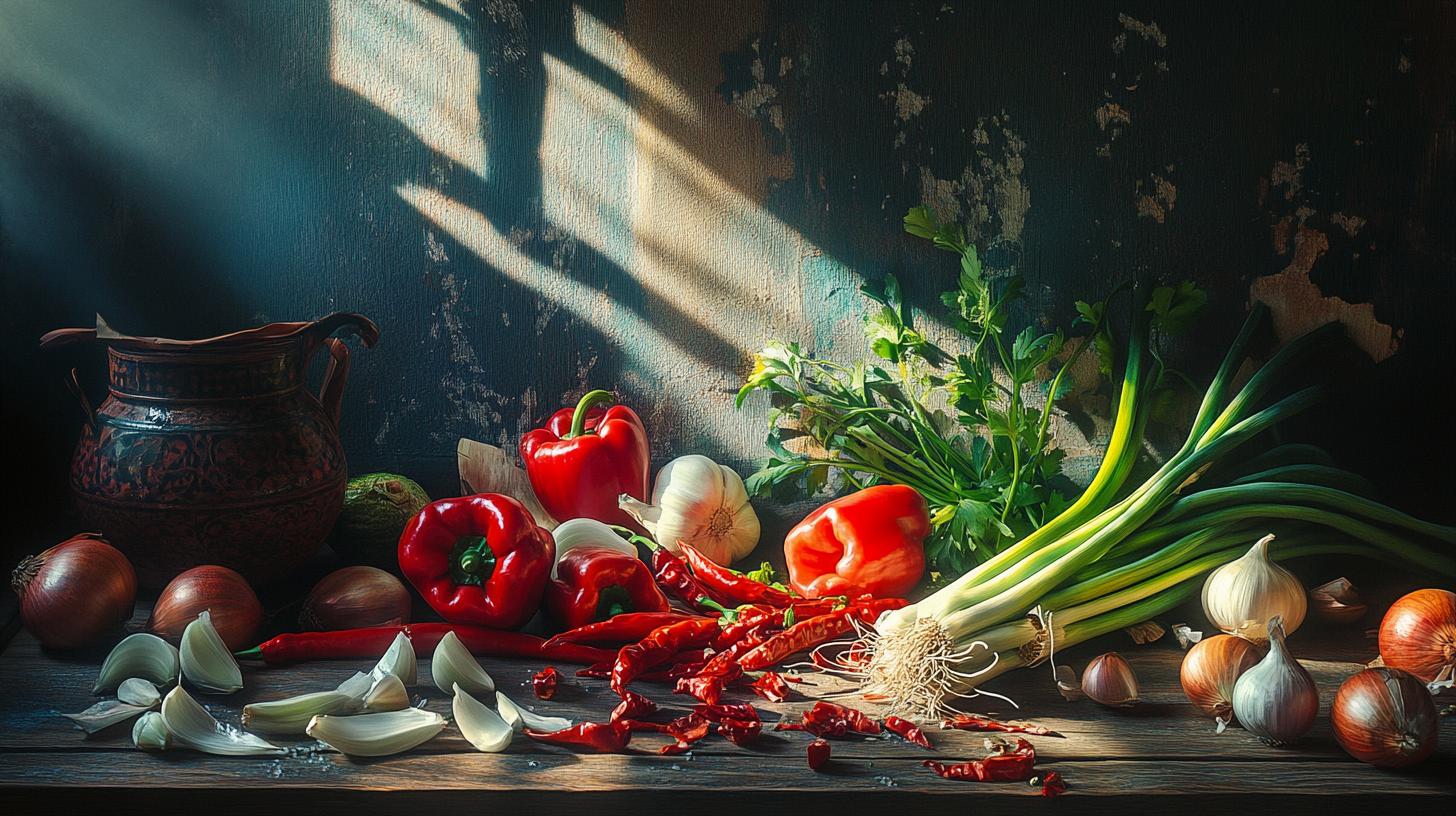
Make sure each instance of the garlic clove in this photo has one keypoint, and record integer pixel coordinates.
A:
(139, 692)
(529, 719)
(585, 532)
(453, 663)
(1110, 680)
(1336, 602)
(205, 659)
(1241, 596)
(151, 733)
(399, 660)
(1276, 700)
(390, 732)
(105, 714)
(291, 715)
(482, 727)
(387, 695)
(509, 712)
(193, 727)
(140, 655)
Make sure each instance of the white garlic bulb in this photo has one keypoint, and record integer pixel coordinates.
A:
(702, 503)
(1277, 699)
(1242, 596)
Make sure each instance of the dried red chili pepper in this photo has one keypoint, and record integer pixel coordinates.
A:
(970, 722)
(910, 731)
(830, 720)
(707, 683)
(722, 713)
(596, 737)
(818, 753)
(643, 725)
(658, 647)
(673, 575)
(633, 705)
(771, 686)
(750, 619)
(741, 732)
(725, 583)
(627, 628)
(686, 730)
(807, 634)
(544, 683)
(371, 643)
(1053, 785)
(1008, 766)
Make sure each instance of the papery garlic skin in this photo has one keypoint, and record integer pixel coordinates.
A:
(700, 502)
(1276, 700)
(1242, 596)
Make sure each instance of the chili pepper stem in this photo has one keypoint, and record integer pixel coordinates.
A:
(589, 401)
(255, 653)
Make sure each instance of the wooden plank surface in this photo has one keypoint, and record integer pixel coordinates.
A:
(1160, 753)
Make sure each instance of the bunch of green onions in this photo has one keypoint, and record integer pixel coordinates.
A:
(1102, 566)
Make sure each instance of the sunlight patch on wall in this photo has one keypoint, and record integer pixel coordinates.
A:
(647, 82)
(412, 64)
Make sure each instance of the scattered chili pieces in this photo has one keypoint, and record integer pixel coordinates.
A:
(707, 683)
(741, 732)
(633, 705)
(1015, 765)
(771, 686)
(1053, 785)
(686, 730)
(910, 731)
(722, 713)
(544, 682)
(830, 720)
(970, 722)
(600, 738)
(819, 751)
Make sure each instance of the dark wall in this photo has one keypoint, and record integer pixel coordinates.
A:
(532, 199)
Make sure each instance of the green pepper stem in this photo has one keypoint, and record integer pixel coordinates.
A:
(729, 615)
(476, 556)
(592, 399)
(255, 653)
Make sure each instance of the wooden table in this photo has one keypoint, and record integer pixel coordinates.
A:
(1160, 754)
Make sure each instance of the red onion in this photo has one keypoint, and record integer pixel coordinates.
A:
(1418, 634)
(75, 593)
(355, 598)
(1211, 669)
(236, 613)
(1385, 717)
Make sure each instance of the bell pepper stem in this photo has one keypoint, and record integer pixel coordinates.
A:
(476, 560)
(592, 399)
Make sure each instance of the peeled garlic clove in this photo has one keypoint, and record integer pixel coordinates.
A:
(482, 727)
(377, 734)
(387, 695)
(1110, 680)
(1336, 602)
(291, 716)
(399, 660)
(453, 663)
(139, 692)
(206, 661)
(104, 715)
(1241, 596)
(358, 685)
(140, 655)
(1276, 700)
(509, 712)
(529, 719)
(193, 727)
(151, 733)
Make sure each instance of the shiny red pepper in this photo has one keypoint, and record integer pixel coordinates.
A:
(628, 628)
(598, 583)
(871, 542)
(818, 753)
(1015, 765)
(724, 583)
(1053, 785)
(585, 458)
(599, 738)
(771, 686)
(658, 647)
(424, 637)
(633, 705)
(808, 634)
(544, 683)
(672, 574)
(479, 560)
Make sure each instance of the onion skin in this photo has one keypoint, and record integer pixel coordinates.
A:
(1385, 717)
(236, 613)
(356, 598)
(76, 593)
(1110, 680)
(1212, 667)
(1418, 634)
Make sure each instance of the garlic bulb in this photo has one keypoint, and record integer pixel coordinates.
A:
(1242, 596)
(703, 503)
(1110, 680)
(1276, 700)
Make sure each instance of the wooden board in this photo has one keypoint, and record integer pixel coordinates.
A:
(1160, 753)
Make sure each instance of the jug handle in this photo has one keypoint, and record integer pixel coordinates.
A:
(336, 376)
(74, 384)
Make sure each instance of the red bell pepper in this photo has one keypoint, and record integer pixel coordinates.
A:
(867, 542)
(478, 559)
(585, 458)
(596, 583)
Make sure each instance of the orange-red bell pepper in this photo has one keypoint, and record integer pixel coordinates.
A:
(585, 458)
(871, 542)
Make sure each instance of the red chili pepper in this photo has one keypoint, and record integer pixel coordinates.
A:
(738, 588)
(741, 732)
(598, 583)
(807, 634)
(723, 713)
(658, 647)
(1053, 785)
(633, 705)
(686, 730)
(830, 720)
(600, 738)
(672, 574)
(371, 643)
(749, 619)
(970, 722)
(1009, 766)
(871, 541)
(627, 628)
(478, 560)
(643, 725)
(818, 753)
(771, 686)
(544, 683)
(910, 731)
(708, 683)
(585, 458)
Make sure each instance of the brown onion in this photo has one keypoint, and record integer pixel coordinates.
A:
(1212, 667)
(236, 613)
(1418, 634)
(355, 598)
(75, 593)
(1385, 717)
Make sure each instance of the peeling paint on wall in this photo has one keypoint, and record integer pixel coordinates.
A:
(1149, 31)
(1157, 200)
(1351, 224)
(996, 199)
(1112, 113)
(1287, 174)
